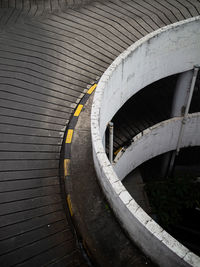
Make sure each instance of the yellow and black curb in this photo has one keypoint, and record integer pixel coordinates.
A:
(69, 137)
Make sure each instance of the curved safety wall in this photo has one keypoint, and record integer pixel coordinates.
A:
(169, 50)
(156, 140)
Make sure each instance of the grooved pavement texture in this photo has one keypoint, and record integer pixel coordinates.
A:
(49, 52)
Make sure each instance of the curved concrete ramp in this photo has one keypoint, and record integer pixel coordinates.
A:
(48, 56)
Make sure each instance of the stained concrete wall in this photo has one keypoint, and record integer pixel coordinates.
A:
(167, 51)
(172, 49)
(156, 140)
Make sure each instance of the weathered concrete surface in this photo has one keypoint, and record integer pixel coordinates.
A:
(48, 56)
(167, 51)
(107, 243)
(156, 140)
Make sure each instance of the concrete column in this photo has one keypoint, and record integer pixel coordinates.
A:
(181, 94)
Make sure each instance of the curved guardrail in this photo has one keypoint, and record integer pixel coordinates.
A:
(169, 50)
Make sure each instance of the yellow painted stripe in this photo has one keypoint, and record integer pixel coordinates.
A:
(92, 88)
(69, 136)
(69, 204)
(78, 110)
(117, 151)
(66, 166)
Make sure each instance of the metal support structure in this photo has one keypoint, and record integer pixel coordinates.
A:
(111, 131)
(187, 107)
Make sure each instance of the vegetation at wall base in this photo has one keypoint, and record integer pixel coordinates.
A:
(169, 198)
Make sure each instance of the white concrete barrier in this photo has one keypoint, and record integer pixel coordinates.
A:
(169, 50)
(156, 140)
